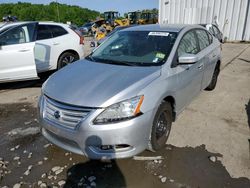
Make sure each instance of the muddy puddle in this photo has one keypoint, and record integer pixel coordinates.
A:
(28, 160)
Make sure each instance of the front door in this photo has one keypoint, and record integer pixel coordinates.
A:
(17, 61)
(189, 76)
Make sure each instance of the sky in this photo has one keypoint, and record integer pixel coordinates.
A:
(121, 6)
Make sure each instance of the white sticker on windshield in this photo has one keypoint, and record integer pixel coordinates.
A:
(164, 34)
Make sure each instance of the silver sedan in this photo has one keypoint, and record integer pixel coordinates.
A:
(123, 97)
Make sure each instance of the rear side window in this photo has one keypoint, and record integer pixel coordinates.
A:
(43, 32)
(211, 30)
(57, 30)
(188, 44)
(202, 38)
(216, 30)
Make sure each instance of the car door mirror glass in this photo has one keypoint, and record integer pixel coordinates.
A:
(187, 59)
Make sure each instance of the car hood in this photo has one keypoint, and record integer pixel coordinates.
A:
(92, 84)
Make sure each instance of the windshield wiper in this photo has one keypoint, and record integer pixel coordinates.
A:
(110, 61)
(123, 62)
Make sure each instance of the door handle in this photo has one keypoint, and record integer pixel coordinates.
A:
(24, 50)
(201, 66)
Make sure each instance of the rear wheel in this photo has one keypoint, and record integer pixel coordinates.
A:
(67, 58)
(161, 127)
(213, 82)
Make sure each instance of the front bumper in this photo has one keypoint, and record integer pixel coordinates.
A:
(109, 141)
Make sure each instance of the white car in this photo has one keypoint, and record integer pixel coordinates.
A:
(28, 48)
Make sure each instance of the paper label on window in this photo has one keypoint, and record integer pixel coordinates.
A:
(160, 55)
(164, 34)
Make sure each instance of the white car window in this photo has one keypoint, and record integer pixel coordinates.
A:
(16, 35)
(57, 31)
(43, 32)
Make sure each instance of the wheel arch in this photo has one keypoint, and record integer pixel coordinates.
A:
(218, 64)
(171, 100)
(65, 51)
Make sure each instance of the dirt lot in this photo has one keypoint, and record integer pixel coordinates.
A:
(209, 145)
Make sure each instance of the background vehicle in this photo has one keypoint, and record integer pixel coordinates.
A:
(112, 32)
(146, 74)
(134, 17)
(105, 25)
(214, 30)
(9, 18)
(148, 18)
(28, 48)
(86, 29)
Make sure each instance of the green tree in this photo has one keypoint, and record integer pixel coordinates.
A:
(40, 12)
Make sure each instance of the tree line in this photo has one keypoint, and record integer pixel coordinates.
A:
(52, 12)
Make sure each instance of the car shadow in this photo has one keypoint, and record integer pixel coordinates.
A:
(95, 173)
(247, 107)
(26, 84)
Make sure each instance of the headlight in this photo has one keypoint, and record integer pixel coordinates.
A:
(121, 111)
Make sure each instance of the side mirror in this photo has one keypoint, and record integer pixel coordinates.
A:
(187, 59)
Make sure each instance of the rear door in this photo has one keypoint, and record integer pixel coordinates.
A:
(209, 55)
(17, 53)
(43, 48)
(49, 45)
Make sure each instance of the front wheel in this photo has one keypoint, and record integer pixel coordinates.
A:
(67, 58)
(161, 127)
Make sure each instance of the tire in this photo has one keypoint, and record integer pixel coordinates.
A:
(161, 127)
(213, 82)
(66, 58)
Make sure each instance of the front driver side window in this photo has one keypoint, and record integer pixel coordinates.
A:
(16, 35)
(188, 44)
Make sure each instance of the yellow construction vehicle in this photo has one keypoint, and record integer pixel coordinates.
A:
(134, 17)
(112, 18)
(105, 25)
(148, 18)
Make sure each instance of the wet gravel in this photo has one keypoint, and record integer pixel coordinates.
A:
(28, 160)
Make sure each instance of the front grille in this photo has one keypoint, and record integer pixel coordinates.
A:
(63, 114)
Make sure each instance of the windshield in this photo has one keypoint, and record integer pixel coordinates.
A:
(110, 15)
(141, 48)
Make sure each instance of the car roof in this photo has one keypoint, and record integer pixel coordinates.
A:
(9, 24)
(205, 24)
(162, 27)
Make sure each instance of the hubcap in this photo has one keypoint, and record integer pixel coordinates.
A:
(162, 128)
(67, 60)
